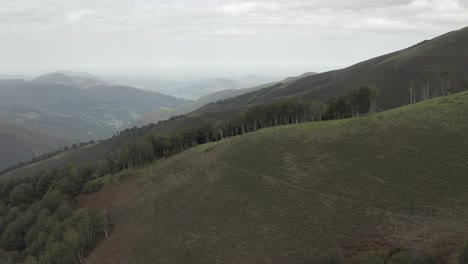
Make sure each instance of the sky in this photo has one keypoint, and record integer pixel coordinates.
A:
(208, 38)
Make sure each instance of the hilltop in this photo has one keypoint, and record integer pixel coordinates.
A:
(285, 194)
(76, 79)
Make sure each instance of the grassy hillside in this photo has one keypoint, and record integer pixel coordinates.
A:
(285, 194)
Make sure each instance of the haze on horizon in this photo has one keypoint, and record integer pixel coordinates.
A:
(207, 38)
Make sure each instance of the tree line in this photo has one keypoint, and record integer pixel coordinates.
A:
(283, 112)
(421, 89)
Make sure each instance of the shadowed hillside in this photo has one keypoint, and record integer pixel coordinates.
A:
(285, 194)
(19, 143)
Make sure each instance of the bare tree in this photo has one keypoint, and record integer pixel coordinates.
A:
(445, 77)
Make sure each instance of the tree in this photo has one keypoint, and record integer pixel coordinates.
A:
(445, 76)
(101, 223)
(464, 84)
(22, 193)
(425, 84)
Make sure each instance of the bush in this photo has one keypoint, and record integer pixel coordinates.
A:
(93, 186)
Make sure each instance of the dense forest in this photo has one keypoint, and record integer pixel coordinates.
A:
(41, 222)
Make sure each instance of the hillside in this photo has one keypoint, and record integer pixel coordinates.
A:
(392, 73)
(20, 143)
(71, 113)
(286, 194)
(89, 155)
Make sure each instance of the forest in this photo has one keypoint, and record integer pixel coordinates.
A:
(41, 222)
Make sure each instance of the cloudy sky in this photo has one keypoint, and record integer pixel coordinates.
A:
(213, 37)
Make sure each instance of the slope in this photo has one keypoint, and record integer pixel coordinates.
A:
(85, 155)
(19, 143)
(392, 73)
(285, 194)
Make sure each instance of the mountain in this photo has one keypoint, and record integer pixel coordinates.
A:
(393, 74)
(75, 79)
(191, 89)
(287, 194)
(198, 89)
(14, 77)
(20, 143)
(74, 114)
(166, 113)
(108, 105)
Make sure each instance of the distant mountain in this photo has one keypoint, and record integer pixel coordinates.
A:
(69, 113)
(191, 89)
(204, 88)
(165, 113)
(119, 103)
(76, 79)
(20, 143)
(14, 77)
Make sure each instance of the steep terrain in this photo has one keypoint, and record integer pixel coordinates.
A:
(285, 194)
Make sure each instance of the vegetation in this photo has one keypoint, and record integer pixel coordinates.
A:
(40, 221)
(353, 104)
(394, 256)
(46, 156)
(285, 194)
(283, 112)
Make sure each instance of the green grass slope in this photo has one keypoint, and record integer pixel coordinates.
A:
(285, 194)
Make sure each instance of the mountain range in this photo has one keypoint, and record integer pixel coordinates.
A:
(71, 109)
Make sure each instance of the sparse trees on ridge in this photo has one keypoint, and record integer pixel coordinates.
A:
(283, 112)
(426, 92)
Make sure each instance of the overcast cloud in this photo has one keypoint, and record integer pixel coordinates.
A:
(207, 37)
